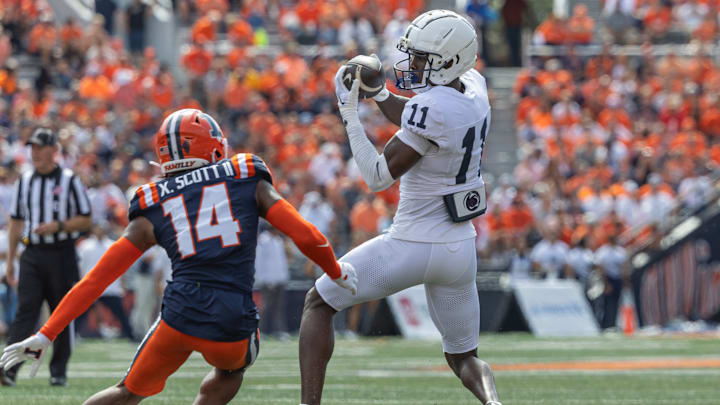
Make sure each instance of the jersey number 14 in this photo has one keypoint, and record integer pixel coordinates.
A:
(214, 219)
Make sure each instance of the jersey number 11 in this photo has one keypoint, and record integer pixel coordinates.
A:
(467, 144)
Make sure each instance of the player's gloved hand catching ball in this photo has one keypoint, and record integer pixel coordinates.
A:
(369, 71)
(348, 277)
(349, 106)
(32, 348)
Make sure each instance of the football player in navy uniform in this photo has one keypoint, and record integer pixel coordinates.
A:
(204, 213)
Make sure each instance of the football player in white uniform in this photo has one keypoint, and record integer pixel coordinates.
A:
(436, 154)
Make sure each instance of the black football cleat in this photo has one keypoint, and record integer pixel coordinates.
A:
(58, 381)
(6, 380)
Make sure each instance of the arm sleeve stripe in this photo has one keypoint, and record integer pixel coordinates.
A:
(250, 165)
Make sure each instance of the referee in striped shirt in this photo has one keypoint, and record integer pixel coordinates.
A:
(49, 209)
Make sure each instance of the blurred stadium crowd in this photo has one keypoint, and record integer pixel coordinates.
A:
(610, 145)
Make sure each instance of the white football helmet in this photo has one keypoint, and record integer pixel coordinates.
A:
(440, 36)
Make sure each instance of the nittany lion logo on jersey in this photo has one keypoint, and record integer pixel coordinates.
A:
(472, 200)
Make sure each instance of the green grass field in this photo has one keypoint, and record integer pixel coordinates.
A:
(396, 371)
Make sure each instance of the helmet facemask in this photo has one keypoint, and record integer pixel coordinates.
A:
(447, 42)
(407, 78)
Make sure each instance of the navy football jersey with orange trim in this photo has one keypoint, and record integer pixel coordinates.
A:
(207, 220)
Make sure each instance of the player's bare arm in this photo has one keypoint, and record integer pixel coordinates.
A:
(14, 233)
(140, 233)
(79, 223)
(392, 107)
(400, 157)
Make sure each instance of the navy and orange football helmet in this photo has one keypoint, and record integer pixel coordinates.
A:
(188, 139)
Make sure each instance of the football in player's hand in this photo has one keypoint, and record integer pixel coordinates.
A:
(368, 70)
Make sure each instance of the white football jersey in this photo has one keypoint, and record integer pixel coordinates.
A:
(448, 128)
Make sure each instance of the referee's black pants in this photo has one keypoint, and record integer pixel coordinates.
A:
(46, 274)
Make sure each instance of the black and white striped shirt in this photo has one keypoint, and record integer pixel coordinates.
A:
(56, 196)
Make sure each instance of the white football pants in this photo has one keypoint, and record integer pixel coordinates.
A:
(385, 266)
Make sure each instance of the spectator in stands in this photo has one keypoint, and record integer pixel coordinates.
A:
(513, 14)
(8, 294)
(552, 31)
(150, 273)
(317, 211)
(696, 190)
(90, 251)
(356, 32)
(107, 9)
(520, 265)
(482, 16)
(549, 256)
(580, 261)
(610, 260)
(657, 201)
(580, 26)
(271, 277)
(690, 14)
(137, 13)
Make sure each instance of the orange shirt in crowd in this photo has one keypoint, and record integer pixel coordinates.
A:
(663, 188)
(710, 121)
(620, 116)
(235, 92)
(658, 18)
(516, 218)
(365, 216)
(162, 92)
(98, 87)
(715, 154)
(706, 31)
(580, 29)
(8, 85)
(70, 33)
(241, 31)
(235, 56)
(524, 108)
(308, 11)
(294, 70)
(206, 5)
(41, 36)
(197, 60)
(41, 107)
(553, 30)
(203, 30)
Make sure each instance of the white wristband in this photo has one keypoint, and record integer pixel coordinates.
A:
(382, 96)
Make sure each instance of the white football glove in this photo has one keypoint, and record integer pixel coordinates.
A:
(341, 92)
(348, 277)
(349, 107)
(32, 348)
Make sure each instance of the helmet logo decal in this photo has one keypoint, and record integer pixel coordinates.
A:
(214, 128)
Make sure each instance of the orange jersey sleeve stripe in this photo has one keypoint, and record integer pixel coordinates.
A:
(141, 198)
(116, 260)
(250, 165)
(236, 165)
(155, 195)
(311, 242)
